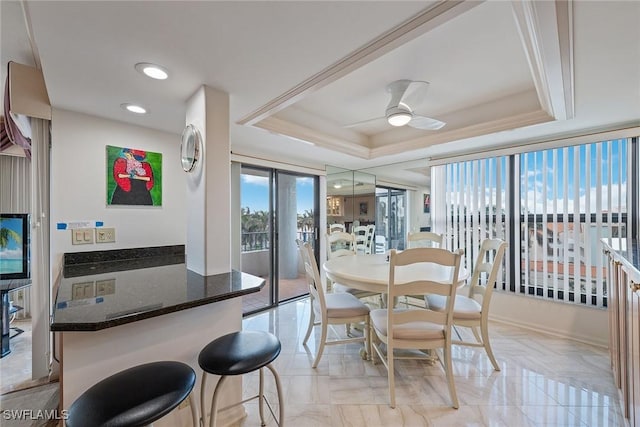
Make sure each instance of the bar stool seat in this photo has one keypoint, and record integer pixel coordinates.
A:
(137, 396)
(239, 353)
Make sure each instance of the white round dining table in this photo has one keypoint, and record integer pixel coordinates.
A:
(371, 272)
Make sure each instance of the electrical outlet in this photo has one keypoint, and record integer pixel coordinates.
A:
(82, 290)
(105, 235)
(81, 236)
(105, 287)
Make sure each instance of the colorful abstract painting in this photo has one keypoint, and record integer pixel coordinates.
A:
(134, 177)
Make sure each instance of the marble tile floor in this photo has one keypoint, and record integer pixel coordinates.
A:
(544, 381)
(15, 368)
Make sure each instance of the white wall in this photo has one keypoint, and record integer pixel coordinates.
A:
(78, 184)
(573, 321)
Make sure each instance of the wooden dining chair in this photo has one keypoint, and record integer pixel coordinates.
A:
(343, 244)
(340, 243)
(421, 239)
(333, 228)
(472, 311)
(416, 328)
(330, 308)
(360, 236)
(424, 239)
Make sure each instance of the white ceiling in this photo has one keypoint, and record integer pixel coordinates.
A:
(483, 66)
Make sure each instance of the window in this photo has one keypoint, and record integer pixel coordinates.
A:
(552, 207)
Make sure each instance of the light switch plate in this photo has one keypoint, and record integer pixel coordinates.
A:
(105, 287)
(81, 236)
(105, 235)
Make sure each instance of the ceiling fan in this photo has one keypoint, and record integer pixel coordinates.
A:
(406, 95)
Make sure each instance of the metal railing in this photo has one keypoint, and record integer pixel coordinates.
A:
(260, 240)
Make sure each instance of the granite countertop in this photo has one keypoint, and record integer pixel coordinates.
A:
(628, 250)
(102, 292)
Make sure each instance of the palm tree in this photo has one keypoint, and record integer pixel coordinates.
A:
(255, 228)
(305, 222)
(6, 235)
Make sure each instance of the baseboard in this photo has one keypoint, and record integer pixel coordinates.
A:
(547, 331)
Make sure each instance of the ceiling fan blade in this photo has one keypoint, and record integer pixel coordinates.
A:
(414, 94)
(367, 122)
(397, 90)
(426, 123)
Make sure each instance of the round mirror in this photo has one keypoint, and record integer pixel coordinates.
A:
(190, 148)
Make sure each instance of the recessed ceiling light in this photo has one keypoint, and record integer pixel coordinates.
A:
(134, 108)
(152, 70)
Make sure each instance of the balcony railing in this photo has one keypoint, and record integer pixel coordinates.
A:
(260, 241)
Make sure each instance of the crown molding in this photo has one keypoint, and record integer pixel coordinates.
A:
(546, 33)
(419, 24)
(506, 123)
(296, 131)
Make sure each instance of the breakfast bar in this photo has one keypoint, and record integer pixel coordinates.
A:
(117, 309)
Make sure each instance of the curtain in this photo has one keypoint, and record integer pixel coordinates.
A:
(15, 197)
(40, 271)
(16, 128)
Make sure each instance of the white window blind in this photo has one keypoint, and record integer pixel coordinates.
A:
(564, 201)
(475, 205)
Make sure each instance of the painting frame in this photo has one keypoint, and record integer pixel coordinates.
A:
(364, 208)
(133, 177)
(426, 203)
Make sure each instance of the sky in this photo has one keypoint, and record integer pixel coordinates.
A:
(13, 250)
(254, 192)
(540, 173)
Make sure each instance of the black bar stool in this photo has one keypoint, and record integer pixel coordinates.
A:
(135, 397)
(239, 353)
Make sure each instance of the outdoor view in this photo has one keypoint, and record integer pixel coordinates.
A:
(255, 211)
(569, 198)
(294, 215)
(11, 257)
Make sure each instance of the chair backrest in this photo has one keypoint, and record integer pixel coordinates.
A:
(485, 270)
(312, 275)
(340, 244)
(371, 232)
(424, 239)
(336, 227)
(405, 279)
(360, 236)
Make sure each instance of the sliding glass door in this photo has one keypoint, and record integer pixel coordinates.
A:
(297, 219)
(277, 208)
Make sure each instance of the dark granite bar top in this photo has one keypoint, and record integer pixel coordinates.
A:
(83, 263)
(628, 250)
(103, 294)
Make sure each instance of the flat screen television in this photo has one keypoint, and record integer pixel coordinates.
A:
(14, 246)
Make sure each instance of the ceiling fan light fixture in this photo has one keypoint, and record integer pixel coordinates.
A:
(399, 119)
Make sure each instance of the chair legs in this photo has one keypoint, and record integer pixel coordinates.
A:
(323, 340)
(260, 397)
(448, 368)
(312, 321)
(391, 379)
(481, 334)
(487, 346)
